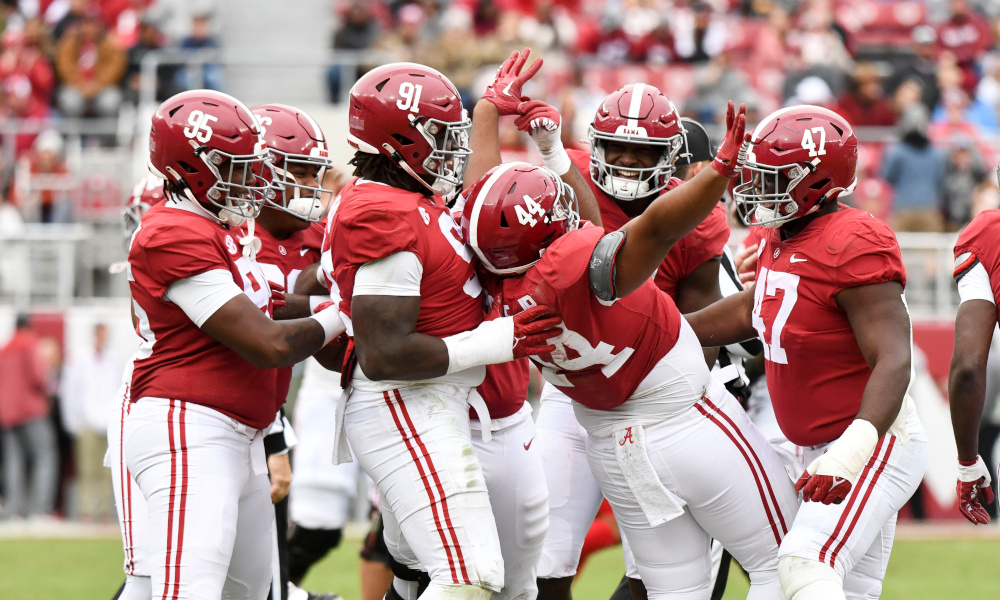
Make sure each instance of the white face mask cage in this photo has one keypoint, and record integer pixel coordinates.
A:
(648, 181)
(759, 198)
(131, 216)
(242, 192)
(303, 201)
(450, 157)
(565, 207)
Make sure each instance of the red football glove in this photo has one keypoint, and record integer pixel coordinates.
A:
(974, 481)
(505, 91)
(535, 114)
(827, 489)
(277, 295)
(732, 154)
(533, 328)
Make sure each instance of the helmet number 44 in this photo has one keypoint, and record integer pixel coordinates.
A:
(199, 126)
(810, 145)
(524, 215)
(410, 93)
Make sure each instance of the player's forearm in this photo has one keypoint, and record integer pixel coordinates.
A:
(966, 393)
(288, 343)
(883, 395)
(296, 307)
(408, 357)
(484, 140)
(308, 283)
(677, 212)
(724, 322)
(589, 211)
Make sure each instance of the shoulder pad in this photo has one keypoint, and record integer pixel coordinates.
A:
(602, 266)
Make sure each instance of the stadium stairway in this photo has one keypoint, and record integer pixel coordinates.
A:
(291, 37)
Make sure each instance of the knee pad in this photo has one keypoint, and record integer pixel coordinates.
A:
(306, 547)
(807, 579)
(403, 575)
(444, 591)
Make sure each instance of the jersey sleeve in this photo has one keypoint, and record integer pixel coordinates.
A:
(869, 255)
(170, 256)
(372, 234)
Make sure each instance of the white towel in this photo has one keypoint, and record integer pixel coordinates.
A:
(341, 451)
(479, 405)
(657, 502)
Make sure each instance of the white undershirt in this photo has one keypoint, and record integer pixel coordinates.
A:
(975, 285)
(398, 274)
(201, 295)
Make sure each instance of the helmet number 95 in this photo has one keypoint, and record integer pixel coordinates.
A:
(410, 96)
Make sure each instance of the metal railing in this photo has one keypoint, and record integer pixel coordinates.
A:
(45, 265)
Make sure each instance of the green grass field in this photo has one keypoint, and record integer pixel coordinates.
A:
(91, 570)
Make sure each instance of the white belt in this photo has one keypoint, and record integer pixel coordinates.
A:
(657, 502)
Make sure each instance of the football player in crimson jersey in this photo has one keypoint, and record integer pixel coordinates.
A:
(828, 306)
(977, 272)
(202, 386)
(656, 422)
(414, 307)
(636, 138)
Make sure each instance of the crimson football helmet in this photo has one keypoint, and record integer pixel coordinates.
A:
(800, 158)
(514, 212)
(294, 138)
(209, 145)
(147, 193)
(637, 114)
(412, 114)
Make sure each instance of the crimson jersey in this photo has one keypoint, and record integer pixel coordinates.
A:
(605, 351)
(176, 359)
(702, 244)
(816, 373)
(977, 245)
(505, 388)
(282, 261)
(373, 221)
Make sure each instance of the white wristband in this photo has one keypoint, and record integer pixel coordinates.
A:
(333, 325)
(315, 301)
(490, 343)
(557, 160)
(853, 449)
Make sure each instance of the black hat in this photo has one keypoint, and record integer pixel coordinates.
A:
(697, 145)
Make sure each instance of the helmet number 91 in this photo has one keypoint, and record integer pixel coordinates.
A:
(410, 93)
(524, 216)
(810, 145)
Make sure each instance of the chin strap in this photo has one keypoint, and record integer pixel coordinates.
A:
(251, 245)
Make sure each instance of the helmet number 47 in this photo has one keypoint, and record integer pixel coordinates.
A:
(524, 215)
(810, 145)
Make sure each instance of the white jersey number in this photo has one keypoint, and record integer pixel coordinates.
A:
(200, 127)
(768, 283)
(524, 216)
(452, 232)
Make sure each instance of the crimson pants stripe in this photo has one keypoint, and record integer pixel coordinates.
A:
(182, 434)
(864, 501)
(850, 501)
(427, 488)
(440, 488)
(125, 478)
(760, 488)
(170, 505)
(760, 465)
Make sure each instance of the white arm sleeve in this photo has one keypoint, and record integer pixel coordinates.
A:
(975, 285)
(398, 274)
(203, 294)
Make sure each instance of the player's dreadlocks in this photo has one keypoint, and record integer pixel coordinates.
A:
(381, 168)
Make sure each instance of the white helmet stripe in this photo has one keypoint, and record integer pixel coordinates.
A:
(477, 206)
(760, 126)
(633, 108)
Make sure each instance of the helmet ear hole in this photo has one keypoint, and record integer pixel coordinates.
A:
(187, 167)
(405, 141)
(819, 184)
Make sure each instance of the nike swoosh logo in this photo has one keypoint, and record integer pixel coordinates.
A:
(792, 259)
(528, 445)
(303, 251)
(506, 90)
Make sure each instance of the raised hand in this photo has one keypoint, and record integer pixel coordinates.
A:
(732, 154)
(532, 330)
(505, 91)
